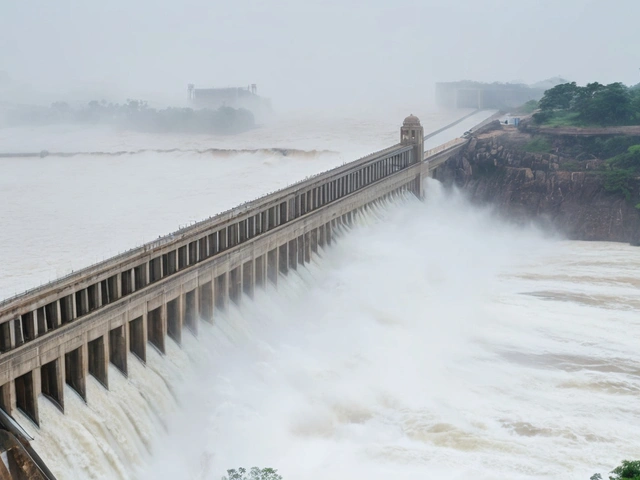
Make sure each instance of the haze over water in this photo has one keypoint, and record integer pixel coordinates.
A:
(74, 211)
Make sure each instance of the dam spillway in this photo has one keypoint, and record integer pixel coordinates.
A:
(61, 333)
(365, 362)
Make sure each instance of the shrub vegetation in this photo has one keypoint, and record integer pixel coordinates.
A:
(594, 104)
(626, 471)
(538, 145)
(621, 172)
(254, 474)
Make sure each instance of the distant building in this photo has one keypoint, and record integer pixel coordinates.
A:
(469, 94)
(234, 97)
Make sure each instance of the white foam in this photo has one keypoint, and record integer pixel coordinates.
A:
(415, 348)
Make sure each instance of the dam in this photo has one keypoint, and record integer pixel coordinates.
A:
(63, 332)
(362, 362)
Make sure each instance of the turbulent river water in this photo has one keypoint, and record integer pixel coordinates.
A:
(432, 340)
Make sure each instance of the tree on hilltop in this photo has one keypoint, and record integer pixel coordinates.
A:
(608, 105)
(559, 97)
(595, 103)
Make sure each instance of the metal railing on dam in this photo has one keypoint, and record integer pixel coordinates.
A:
(63, 331)
(451, 144)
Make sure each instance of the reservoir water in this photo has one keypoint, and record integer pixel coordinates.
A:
(124, 189)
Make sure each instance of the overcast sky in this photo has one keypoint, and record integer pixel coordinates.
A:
(308, 53)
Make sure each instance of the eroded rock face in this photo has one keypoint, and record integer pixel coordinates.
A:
(494, 168)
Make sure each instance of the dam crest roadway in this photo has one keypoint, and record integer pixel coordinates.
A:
(62, 332)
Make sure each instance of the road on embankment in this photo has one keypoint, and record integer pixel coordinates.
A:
(457, 129)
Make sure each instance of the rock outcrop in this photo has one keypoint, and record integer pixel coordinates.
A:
(495, 168)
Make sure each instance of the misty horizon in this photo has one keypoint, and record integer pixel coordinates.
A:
(307, 55)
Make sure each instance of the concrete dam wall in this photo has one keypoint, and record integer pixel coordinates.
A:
(62, 332)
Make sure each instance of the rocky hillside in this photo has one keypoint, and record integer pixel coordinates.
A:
(557, 181)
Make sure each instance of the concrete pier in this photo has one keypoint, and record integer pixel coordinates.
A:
(74, 327)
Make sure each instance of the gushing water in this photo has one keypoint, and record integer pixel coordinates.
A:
(431, 340)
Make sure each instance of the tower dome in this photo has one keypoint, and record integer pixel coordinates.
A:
(411, 131)
(411, 120)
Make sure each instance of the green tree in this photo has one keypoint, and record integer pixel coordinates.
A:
(629, 159)
(610, 105)
(559, 97)
(254, 474)
(542, 116)
(635, 102)
(628, 470)
(613, 104)
(584, 96)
